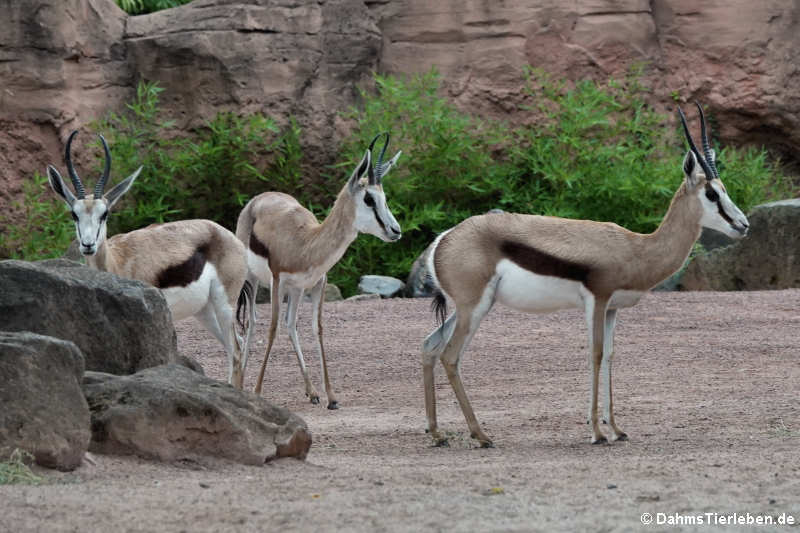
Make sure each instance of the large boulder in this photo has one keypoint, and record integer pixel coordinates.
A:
(120, 325)
(170, 412)
(767, 258)
(43, 410)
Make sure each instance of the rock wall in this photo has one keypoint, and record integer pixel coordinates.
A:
(63, 63)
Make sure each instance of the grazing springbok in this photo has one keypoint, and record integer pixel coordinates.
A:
(199, 266)
(289, 250)
(542, 264)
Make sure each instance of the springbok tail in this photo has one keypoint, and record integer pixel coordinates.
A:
(242, 306)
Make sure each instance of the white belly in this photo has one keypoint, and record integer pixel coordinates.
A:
(522, 289)
(187, 301)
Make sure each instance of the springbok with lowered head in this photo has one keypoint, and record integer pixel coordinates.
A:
(290, 251)
(542, 264)
(198, 265)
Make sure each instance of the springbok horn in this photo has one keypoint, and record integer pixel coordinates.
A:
(706, 145)
(375, 174)
(76, 181)
(700, 158)
(101, 184)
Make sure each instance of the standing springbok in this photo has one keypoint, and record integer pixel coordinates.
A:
(542, 264)
(289, 250)
(198, 265)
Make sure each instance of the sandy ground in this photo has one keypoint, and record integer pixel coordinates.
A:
(707, 386)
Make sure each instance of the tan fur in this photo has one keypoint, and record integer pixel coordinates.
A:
(601, 257)
(144, 253)
(620, 259)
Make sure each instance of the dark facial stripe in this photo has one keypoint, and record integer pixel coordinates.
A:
(258, 247)
(543, 263)
(185, 273)
(380, 222)
(712, 195)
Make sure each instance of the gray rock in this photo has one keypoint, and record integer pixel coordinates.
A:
(43, 409)
(120, 325)
(767, 258)
(170, 412)
(419, 284)
(385, 286)
(363, 297)
(190, 363)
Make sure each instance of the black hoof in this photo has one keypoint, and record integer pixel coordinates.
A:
(333, 405)
(487, 444)
(441, 443)
(622, 436)
(601, 440)
(315, 400)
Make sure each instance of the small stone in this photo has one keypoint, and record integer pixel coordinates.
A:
(611, 486)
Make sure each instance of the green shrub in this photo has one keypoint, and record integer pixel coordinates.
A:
(140, 7)
(45, 230)
(209, 174)
(16, 470)
(600, 153)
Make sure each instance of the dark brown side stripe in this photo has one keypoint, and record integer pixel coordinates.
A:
(258, 247)
(543, 263)
(185, 273)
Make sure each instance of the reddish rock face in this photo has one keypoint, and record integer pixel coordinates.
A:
(64, 63)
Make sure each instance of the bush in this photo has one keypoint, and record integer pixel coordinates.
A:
(140, 7)
(599, 153)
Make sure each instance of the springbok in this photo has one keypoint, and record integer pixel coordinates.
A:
(198, 265)
(541, 264)
(289, 250)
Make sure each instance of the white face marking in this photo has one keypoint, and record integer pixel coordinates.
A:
(373, 215)
(90, 223)
(533, 293)
(720, 203)
(187, 301)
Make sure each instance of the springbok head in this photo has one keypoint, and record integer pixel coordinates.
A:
(702, 179)
(90, 213)
(365, 185)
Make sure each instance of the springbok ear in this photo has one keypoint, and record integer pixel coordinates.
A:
(121, 188)
(690, 169)
(360, 170)
(57, 184)
(386, 167)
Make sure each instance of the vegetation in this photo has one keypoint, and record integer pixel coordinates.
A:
(596, 152)
(140, 7)
(17, 471)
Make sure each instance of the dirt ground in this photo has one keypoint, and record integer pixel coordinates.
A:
(707, 386)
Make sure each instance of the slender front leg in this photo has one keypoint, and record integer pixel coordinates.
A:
(295, 295)
(605, 368)
(595, 320)
(317, 299)
(276, 296)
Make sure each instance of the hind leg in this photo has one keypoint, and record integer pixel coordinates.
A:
(251, 324)
(295, 295)
(432, 347)
(317, 299)
(276, 295)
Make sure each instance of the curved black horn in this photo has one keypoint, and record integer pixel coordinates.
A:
(375, 174)
(706, 144)
(700, 158)
(76, 181)
(101, 184)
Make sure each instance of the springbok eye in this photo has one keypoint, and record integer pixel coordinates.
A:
(74, 216)
(711, 194)
(369, 200)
